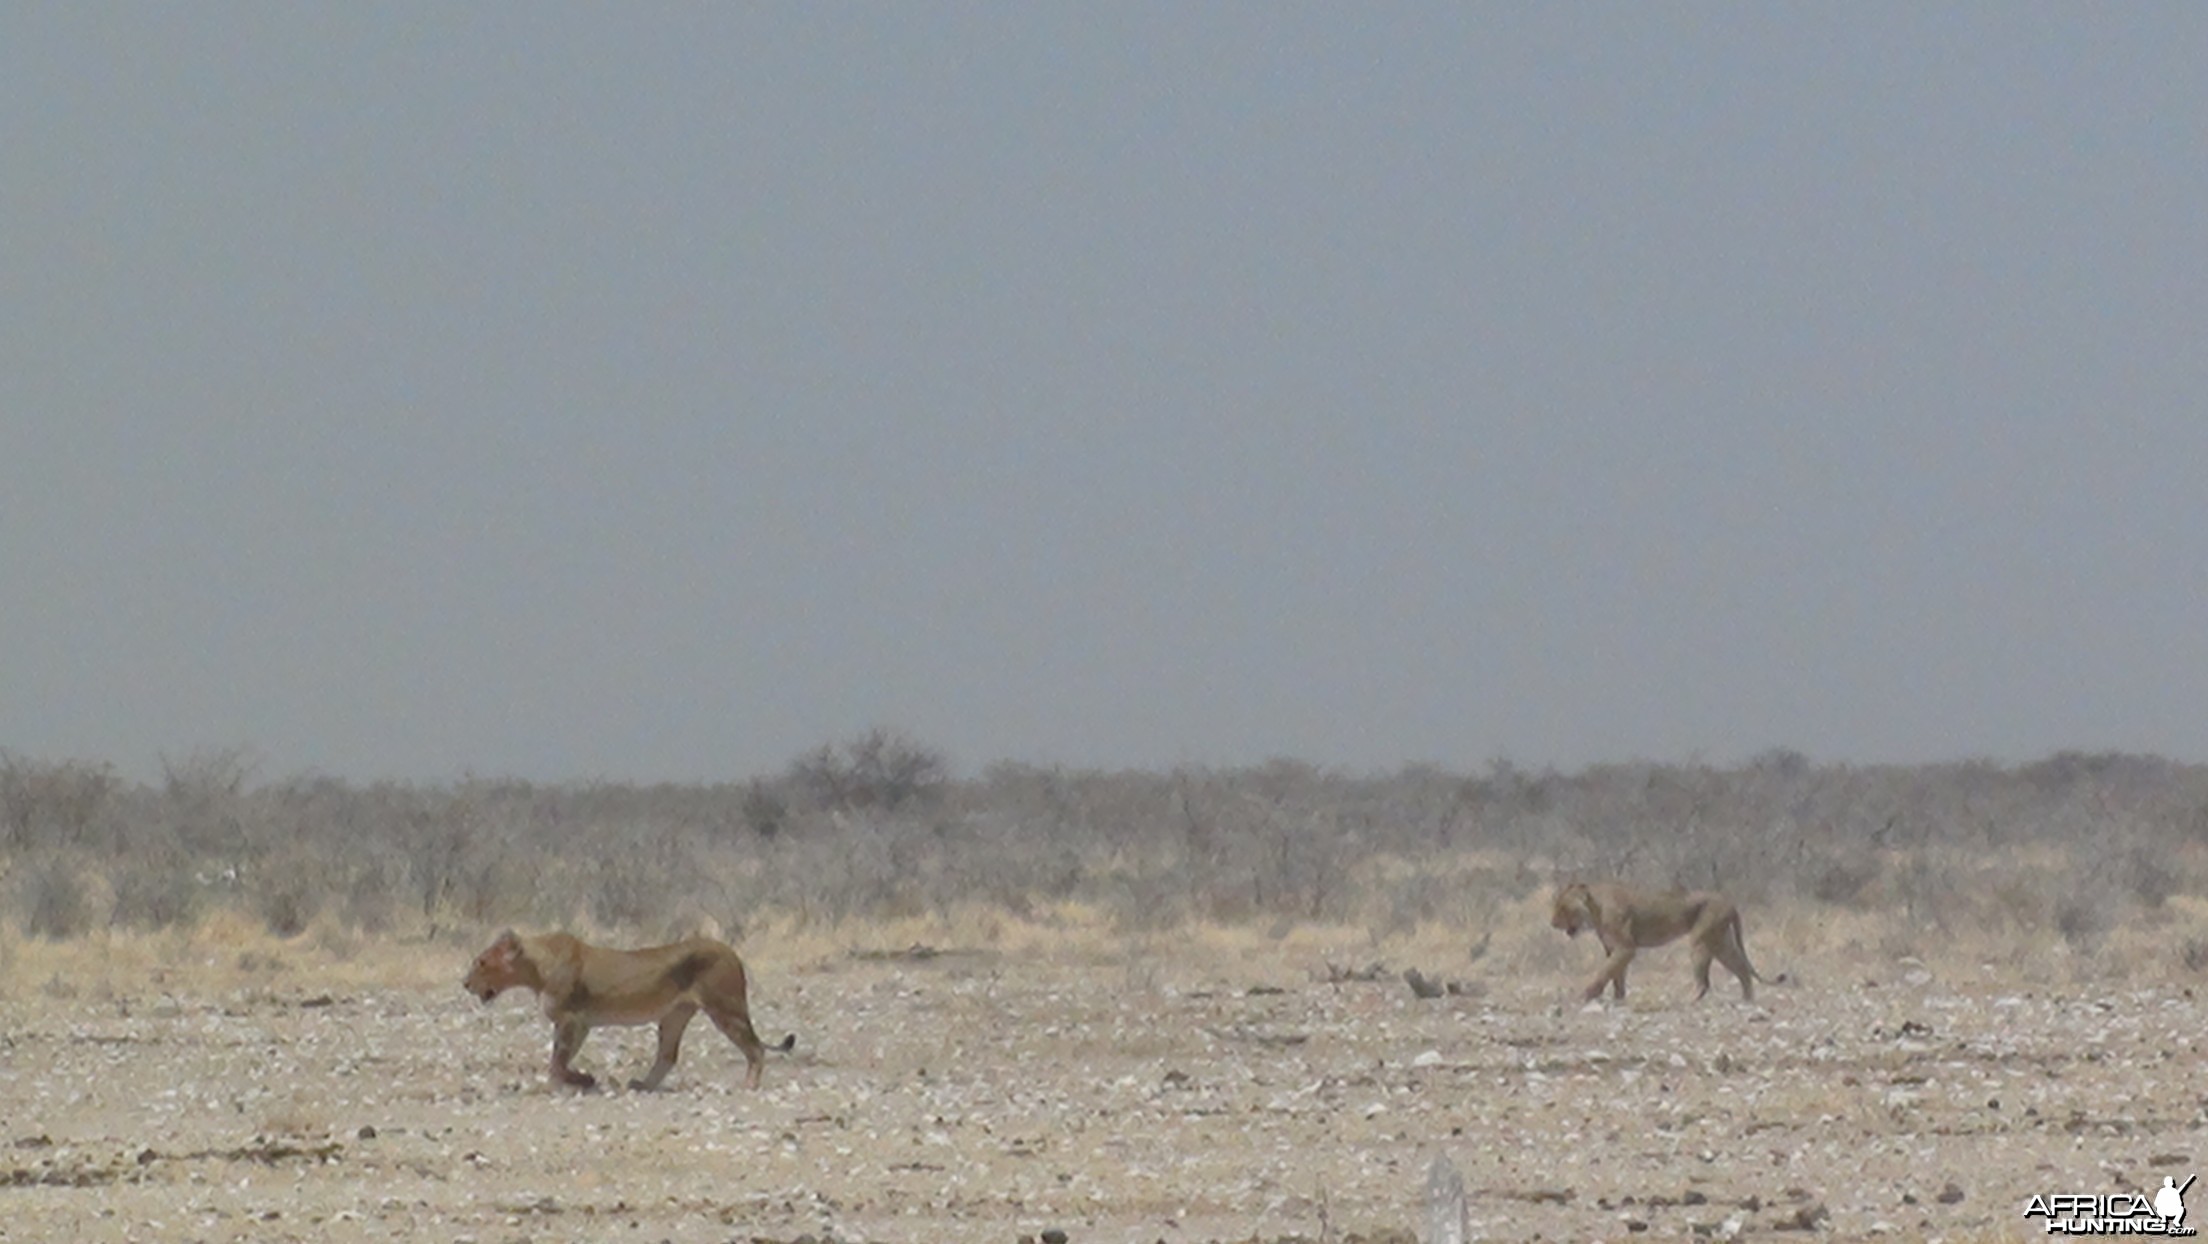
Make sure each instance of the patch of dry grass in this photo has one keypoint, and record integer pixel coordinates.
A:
(1808, 944)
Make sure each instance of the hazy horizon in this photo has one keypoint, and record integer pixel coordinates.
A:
(409, 391)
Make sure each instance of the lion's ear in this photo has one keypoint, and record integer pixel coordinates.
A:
(508, 946)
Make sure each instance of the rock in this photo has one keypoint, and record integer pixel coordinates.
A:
(1807, 1218)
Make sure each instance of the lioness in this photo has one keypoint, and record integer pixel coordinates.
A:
(1627, 921)
(584, 987)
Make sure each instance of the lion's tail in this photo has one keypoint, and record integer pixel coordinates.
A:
(787, 1044)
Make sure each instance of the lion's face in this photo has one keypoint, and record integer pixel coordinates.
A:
(495, 970)
(1570, 913)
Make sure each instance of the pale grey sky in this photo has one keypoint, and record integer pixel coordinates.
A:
(656, 392)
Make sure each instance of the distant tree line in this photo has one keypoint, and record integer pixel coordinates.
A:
(878, 826)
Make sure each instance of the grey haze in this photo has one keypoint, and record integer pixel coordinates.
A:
(658, 391)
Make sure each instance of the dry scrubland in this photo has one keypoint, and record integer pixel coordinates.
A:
(1150, 1006)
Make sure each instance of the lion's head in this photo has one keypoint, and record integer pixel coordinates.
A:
(1571, 912)
(497, 969)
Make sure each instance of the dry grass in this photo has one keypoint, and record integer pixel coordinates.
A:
(1809, 944)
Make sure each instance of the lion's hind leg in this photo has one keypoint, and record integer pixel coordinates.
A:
(1732, 951)
(1702, 953)
(736, 1026)
(671, 1026)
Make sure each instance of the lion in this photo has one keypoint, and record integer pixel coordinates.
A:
(584, 987)
(1627, 920)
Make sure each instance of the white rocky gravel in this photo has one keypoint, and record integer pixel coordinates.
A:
(982, 1097)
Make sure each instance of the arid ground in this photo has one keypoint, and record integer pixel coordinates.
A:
(1199, 1087)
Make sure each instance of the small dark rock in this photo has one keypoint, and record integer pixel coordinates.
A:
(1951, 1194)
(366, 1132)
(1054, 1236)
(1807, 1218)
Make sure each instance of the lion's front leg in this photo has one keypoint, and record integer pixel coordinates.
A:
(567, 1040)
(1612, 974)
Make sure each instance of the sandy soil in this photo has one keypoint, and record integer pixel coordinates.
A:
(986, 1095)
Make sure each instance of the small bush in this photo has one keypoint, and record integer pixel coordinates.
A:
(371, 902)
(881, 769)
(1841, 880)
(2147, 876)
(2082, 922)
(154, 894)
(52, 804)
(765, 811)
(204, 797)
(56, 902)
(625, 894)
(287, 890)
